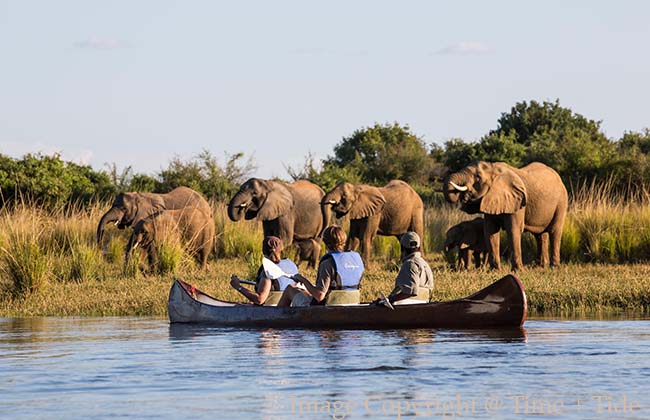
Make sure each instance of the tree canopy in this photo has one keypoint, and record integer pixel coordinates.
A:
(570, 143)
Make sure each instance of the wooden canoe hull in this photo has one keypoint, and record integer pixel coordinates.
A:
(501, 304)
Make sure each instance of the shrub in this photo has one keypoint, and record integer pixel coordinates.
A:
(85, 264)
(25, 263)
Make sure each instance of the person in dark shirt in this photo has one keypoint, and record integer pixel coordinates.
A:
(272, 249)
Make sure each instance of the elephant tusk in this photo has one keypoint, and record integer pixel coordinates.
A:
(136, 245)
(242, 206)
(458, 187)
(117, 222)
(332, 202)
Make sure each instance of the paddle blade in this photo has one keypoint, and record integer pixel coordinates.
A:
(384, 301)
(272, 271)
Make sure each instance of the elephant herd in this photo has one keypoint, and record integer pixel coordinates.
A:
(532, 199)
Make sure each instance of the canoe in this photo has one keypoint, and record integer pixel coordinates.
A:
(501, 304)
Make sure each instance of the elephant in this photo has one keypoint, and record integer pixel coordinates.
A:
(308, 250)
(532, 198)
(391, 210)
(131, 207)
(192, 227)
(290, 211)
(469, 238)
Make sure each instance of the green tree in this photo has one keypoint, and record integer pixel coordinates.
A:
(501, 147)
(457, 154)
(631, 167)
(143, 183)
(204, 173)
(49, 181)
(573, 145)
(326, 175)
(381, 153)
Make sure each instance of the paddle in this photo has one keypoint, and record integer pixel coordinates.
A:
(385, 302)
(272, 270)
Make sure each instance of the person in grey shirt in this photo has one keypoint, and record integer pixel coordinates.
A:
(414, 281)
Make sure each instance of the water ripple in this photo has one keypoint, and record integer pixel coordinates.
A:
(142, 367)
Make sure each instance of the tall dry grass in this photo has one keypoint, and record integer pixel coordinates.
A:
(607, 227)
(45, 255)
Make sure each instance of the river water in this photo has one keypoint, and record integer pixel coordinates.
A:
(144, 368)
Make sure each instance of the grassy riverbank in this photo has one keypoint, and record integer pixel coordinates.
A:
(573, 288)
(51, 265)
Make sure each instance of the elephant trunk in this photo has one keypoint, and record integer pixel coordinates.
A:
(328, 204)
(453, 186)
(326, 214)
(114, 215)
(330, 199)
(237, 207)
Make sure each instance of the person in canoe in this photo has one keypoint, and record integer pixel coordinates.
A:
(266, 284)
(338, 270)
(414, 281)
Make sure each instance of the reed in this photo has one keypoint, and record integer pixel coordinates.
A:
(85, 263)
(170, 254)
(25, 259)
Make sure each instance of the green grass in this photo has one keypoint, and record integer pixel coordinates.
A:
(570, 289)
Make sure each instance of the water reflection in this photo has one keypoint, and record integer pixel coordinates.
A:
(144, 367)
(507, 335)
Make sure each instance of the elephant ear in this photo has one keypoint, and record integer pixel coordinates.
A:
(506, 195)
(147, 205)
(369, 201)
(279, 201)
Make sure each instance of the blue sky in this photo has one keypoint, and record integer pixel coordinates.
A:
(139, 82)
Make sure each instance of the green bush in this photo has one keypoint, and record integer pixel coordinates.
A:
(85, 264)
(170, 255)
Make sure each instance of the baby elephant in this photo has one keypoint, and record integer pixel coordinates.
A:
(307, 250)
(192, 227)
(469, 238)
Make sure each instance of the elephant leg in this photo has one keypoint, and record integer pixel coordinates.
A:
(462, 260)
(204, 253)
(477, 259)
(469, 256)
(152, 257)
(297, 246)
(542, 249)
(128, 252)
(315, 253)
(417, 226)
(556, 241)
(140, 254)
(286, 229)
(353, 237)
(492, 238)
(514, 229)
(372, 225)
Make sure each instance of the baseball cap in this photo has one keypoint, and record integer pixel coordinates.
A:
(410, 240)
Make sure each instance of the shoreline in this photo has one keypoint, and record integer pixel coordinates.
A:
(571, 290)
